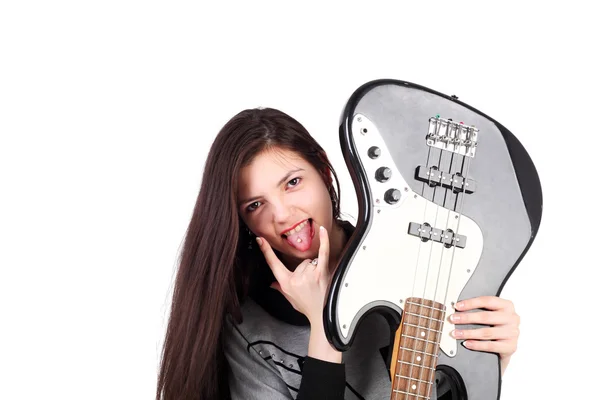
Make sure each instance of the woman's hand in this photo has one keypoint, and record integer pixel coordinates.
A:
(500, 338)
(305, 287)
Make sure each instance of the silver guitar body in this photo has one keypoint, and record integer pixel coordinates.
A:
(449, 203)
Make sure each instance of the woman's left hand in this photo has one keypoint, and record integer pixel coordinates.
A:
(503, 334)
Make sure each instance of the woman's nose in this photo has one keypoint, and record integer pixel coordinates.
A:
(281, 212)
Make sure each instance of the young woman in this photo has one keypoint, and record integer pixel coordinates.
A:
(261, 247)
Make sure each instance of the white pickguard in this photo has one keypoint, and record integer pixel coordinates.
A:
(392, 265)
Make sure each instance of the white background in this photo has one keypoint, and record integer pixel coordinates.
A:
(107, 111)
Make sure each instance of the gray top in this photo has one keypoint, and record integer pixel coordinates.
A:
(266, 357)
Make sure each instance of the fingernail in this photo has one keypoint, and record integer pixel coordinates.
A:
(259, 241)
(455, 317)
(459, 305)
(466, 343)
(457, 333)
(321, 228)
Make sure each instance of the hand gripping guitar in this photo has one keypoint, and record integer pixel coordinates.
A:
(449, 203)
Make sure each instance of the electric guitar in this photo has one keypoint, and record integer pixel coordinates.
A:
(449, 203)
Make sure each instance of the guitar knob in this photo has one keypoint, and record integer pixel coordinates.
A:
(374, 152)
(383, 174)
(392, 196)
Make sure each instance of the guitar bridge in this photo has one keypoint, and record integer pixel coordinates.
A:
(448, 135)
(426, 232)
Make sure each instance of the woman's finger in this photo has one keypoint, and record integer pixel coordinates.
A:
(487, 302)
(483, 318)
(494, 346)
(301, 267)
(323, 249)
(494, 333)
(281, 273)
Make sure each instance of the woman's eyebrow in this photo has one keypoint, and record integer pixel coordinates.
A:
(281, 182)
(287, 176)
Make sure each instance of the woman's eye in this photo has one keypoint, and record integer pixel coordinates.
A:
(253, 206)
(294, 182)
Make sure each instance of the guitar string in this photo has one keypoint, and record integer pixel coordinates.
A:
(443, 253)
(425, 284)
(431, 313)
(460, 213)
(406, 306)
(397, 367)
(431, 373)
(462, 198)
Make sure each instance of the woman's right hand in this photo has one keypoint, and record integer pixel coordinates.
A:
(306, 287)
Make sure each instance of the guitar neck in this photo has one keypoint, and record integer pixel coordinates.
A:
(416, 349)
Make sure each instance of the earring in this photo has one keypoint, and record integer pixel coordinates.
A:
(251, 241)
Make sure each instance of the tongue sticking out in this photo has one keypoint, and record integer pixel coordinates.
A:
(301, 240)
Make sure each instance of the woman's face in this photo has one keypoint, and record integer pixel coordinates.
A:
(283, 199)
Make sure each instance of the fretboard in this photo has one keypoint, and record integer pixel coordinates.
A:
(416, 349)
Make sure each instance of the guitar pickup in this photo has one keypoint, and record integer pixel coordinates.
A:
(426, 232)
(434, 177)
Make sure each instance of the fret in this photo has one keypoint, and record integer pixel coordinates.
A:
(422, 305)
(416, 314)
(411, 344)
(407, 373)
(415, 365)
(423, 316)
(411, 394)
(414, 379)
(420, 352)
(418, 338)
(416, 358)
(425, 322)
(422, 332)
(425, 327)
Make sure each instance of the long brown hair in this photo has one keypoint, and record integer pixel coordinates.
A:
(215, 264)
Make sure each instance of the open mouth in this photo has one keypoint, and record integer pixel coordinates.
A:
(300, 236)
(297, 228)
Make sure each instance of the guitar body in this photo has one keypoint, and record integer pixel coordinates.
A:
(449, 203)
